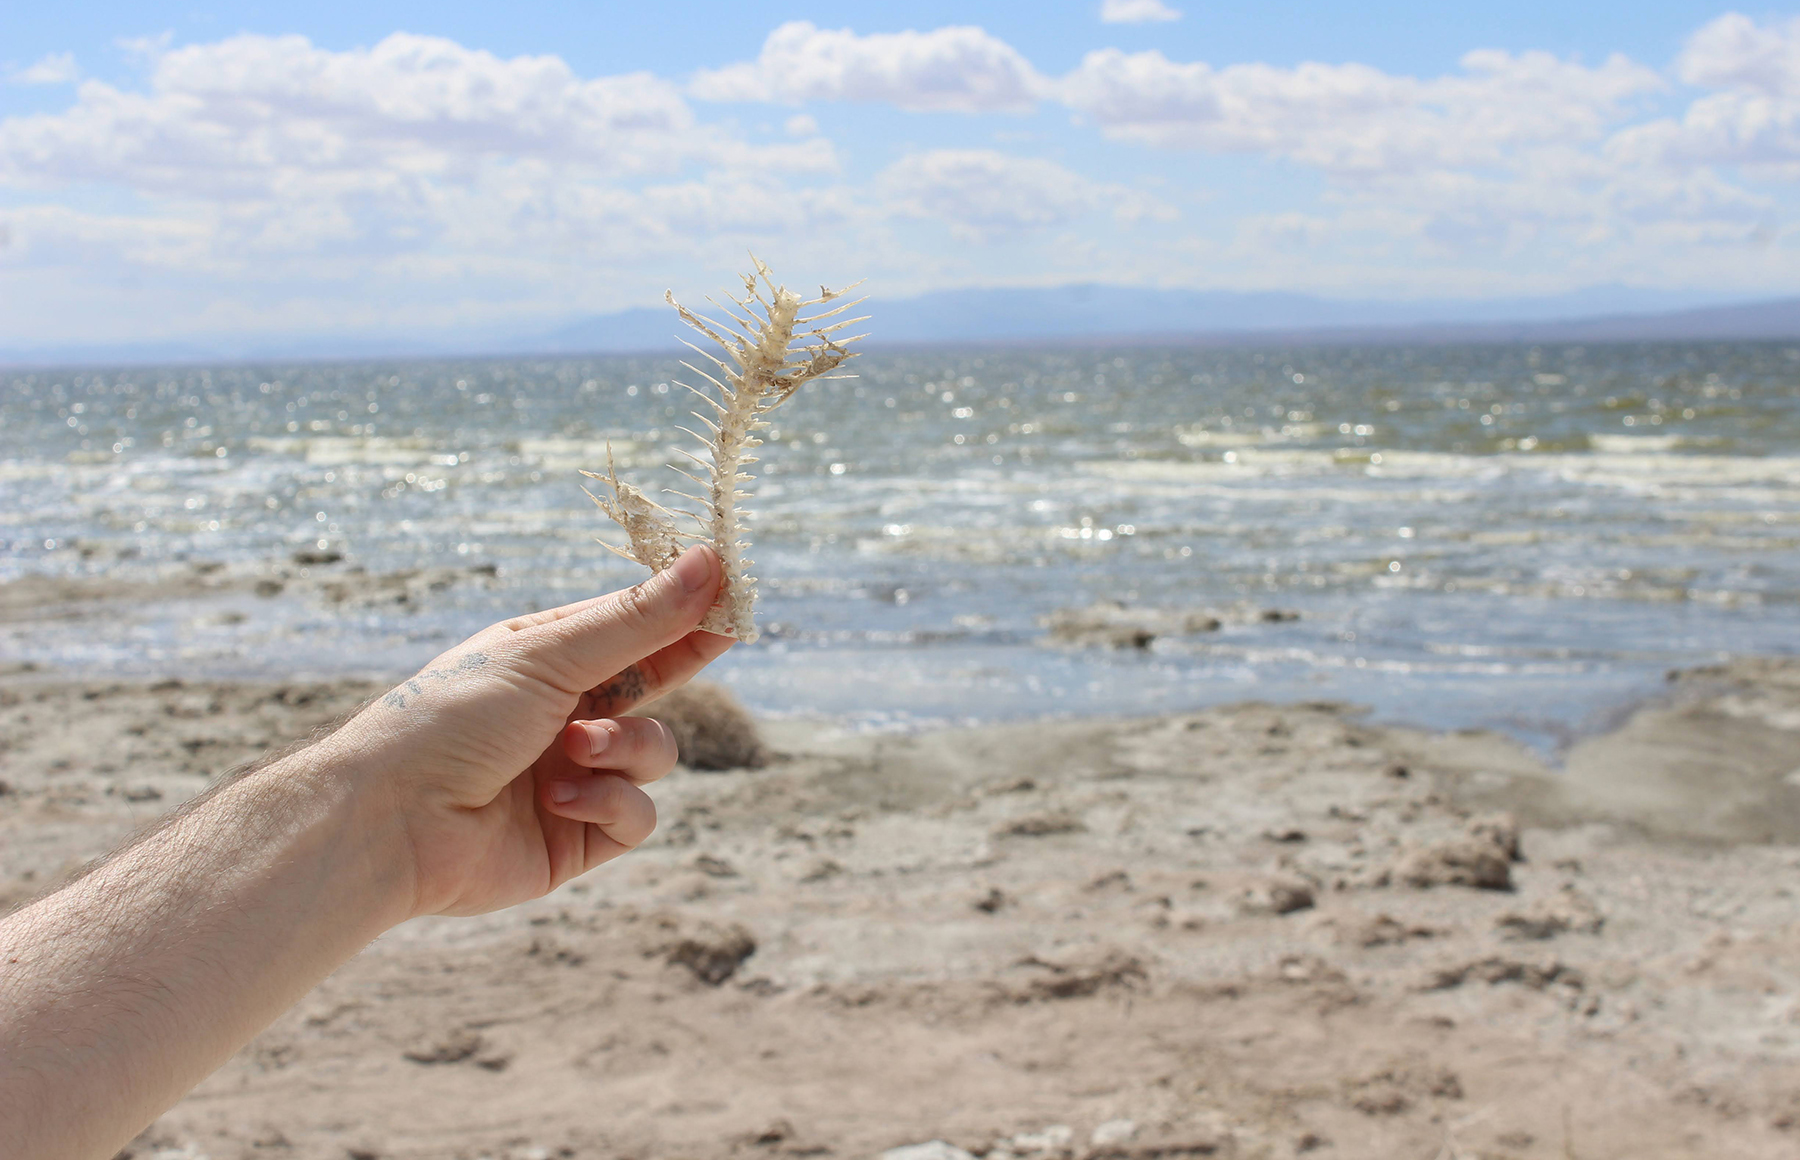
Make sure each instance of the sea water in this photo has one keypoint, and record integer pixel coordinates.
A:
(1508, 536)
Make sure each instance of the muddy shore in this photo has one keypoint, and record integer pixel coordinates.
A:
(1253, 931)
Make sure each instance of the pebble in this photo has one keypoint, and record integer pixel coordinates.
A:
(1114, 1132)
(930, 1150)
(1051, 1139)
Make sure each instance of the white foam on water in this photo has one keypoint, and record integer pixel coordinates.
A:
(1681, 477)
(560, 453)
(1640, 444)
(1661, 468)
(339, 450)
(1557, 538)
(1204, 437)
(1168, 479)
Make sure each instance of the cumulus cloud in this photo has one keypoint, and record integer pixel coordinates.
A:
(269, 174)
(1507, 149)
(1352, 118)
(56, 68)
(411, 163)
(957, 69)
(249, 114)
(1528, 137)
(1136, 12)
(55, 234)
(1753, 121)
(1509, 152)
(981, 194)
(1734, 52)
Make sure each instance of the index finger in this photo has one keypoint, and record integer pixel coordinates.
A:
(582, 646)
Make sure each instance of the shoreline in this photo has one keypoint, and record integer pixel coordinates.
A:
(209, 619)
(1256, 930)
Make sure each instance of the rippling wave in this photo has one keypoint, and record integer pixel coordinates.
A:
(1484, 534)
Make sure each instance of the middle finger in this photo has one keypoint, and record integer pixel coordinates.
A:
(639, 749)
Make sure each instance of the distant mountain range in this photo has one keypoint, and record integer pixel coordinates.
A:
(1087, 313)
(1078, 314)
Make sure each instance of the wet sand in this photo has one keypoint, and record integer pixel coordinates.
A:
(1254, 931)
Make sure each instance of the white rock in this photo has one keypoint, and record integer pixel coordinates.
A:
(1114, 1132)
(1049, 1140)
(930, 1150)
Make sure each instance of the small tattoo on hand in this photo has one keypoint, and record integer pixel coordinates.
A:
(469, 661)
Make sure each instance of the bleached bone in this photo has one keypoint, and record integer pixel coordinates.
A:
(767, 366)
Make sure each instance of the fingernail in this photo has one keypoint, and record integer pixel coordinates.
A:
(693, 569)
(598, 739)
(564, 792)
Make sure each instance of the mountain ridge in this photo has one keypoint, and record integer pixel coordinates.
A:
(1078, 314)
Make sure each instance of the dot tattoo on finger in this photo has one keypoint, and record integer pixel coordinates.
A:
(621, 692)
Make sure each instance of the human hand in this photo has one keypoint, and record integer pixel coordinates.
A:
(440, 797)
(506, 766)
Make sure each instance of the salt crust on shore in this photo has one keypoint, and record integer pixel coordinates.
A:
(1017, 939)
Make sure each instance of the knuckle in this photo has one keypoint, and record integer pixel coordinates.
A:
(610, 798)
(629, 813)
(637, 608)
(651, 672)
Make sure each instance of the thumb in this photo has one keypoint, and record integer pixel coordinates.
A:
(601, 639)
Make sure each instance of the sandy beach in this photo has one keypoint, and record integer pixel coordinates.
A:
(1252, 931)
(1264, 545)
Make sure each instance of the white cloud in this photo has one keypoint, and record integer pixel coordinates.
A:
(266, 177)
(981, 194)
(56, 68)
(278, 126)
(269, 158)
(1734, 52)
(1512, 155)
(957, 69)
(245, 116)
(1754, 121)
(47, 235)
(1344, 118)
(1510, 152)
(1136, 11)
(1720, 129)
(1283, 231)
(1352, 118)
(1510, 149)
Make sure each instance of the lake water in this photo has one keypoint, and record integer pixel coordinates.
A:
(1511, 536)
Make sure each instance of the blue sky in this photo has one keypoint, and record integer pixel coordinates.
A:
(1419, 38)
(420, 168)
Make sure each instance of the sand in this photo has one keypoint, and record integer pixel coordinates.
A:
(1233, 933)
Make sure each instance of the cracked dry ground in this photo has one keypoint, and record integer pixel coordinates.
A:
(1253, 931)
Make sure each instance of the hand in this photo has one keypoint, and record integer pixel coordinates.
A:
(127, 986)
(508, 766)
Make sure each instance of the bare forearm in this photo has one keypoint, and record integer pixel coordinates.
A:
(494, 776)
(184, 946)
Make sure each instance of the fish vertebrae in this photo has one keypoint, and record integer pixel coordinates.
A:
(766, 368)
